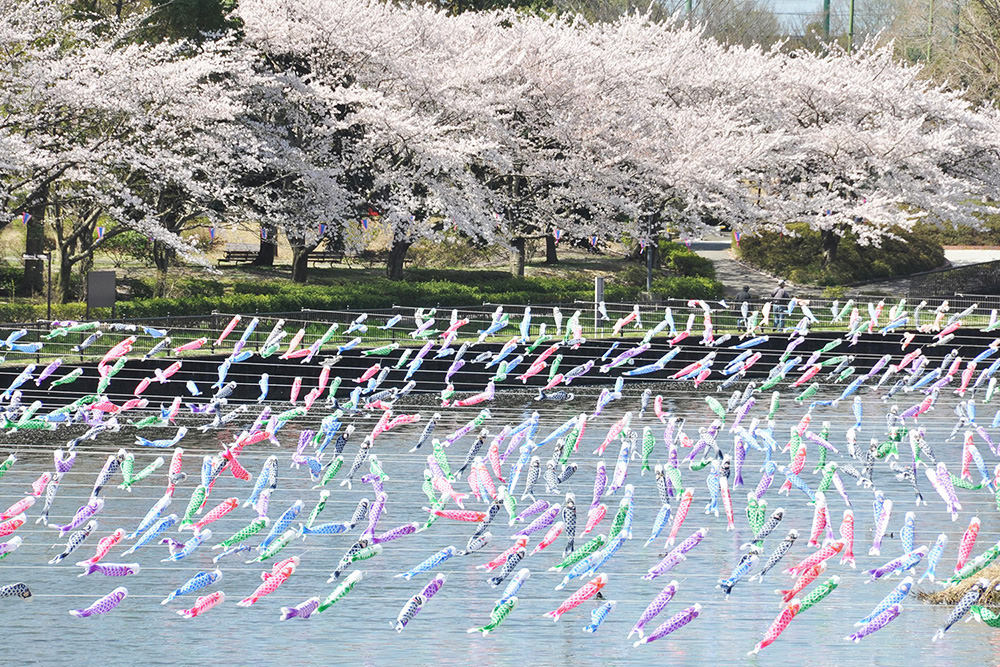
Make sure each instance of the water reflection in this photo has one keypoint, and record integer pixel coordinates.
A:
(358, 629)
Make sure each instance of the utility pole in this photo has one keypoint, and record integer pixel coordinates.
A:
(930, 29)
(649, 268)
(690, 8)
(850, 27)
(826, 20)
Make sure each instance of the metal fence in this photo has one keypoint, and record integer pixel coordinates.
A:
(595, 321)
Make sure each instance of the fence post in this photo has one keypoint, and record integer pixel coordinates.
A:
(598, 297)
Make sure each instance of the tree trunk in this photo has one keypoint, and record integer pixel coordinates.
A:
(397, 255)
(829, 241)
(34, 243)
(86, 266)
(518, 251)
(550, 250)
(300, 263)
(162, 257)
(65, 294)
(268, 249)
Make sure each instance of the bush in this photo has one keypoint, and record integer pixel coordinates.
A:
(676, 261)
(257, 287)
(680, 260)
(688, 287)
(634, 275)
(10, 276)
(127, 246)
(800, 258)
(197, 287)
(450, 250)
(383, 293)
(18, 312)
(691, 265)
(135, 288)
(963, 235)
(30, 312)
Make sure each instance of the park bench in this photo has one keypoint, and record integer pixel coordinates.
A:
(372, 257)
(325, 256)
(238, 253)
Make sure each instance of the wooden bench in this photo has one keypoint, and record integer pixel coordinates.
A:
(372, 257)
(241, 254)
(237, 257)
(325, 256)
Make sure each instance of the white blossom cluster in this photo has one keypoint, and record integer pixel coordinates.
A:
(497, 124)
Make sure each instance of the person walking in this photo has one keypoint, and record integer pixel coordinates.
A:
(743, 298)
(779, 299)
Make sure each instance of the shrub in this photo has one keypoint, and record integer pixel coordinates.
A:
(10, 276)
(17, 312)
(964, 235)
(257, 287)
(127, 246)
(30, 312)
(450, 250)
(198, 287)
(135, 288)
(688, 287)
(675, 261)
(799, 257)
(691, 265)
(680, 260)
(634, 275)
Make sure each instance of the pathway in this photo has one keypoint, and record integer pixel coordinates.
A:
(962, 255)
(735, 274)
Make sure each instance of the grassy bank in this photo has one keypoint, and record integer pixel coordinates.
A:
(248, 290)
(800, 257)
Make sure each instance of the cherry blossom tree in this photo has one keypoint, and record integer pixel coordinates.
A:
(502, 125)
(637, 123)
(870, 146)
(399, 134)
(98, 127)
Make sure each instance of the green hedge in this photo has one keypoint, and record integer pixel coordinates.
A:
(377, 292)
(800, 258)
(272, 296)
(30, 312)
(688, 287)
(10, 276)
(682, 274)
(682, 261)
(962, 235)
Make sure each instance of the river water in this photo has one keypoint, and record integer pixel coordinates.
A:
(358, 628)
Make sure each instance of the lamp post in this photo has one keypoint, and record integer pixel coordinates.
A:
(47, 256)
(649, 268)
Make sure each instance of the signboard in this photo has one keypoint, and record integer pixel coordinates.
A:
(101, 289)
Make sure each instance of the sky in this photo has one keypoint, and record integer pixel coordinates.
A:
(797, 5)
(791, 11)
